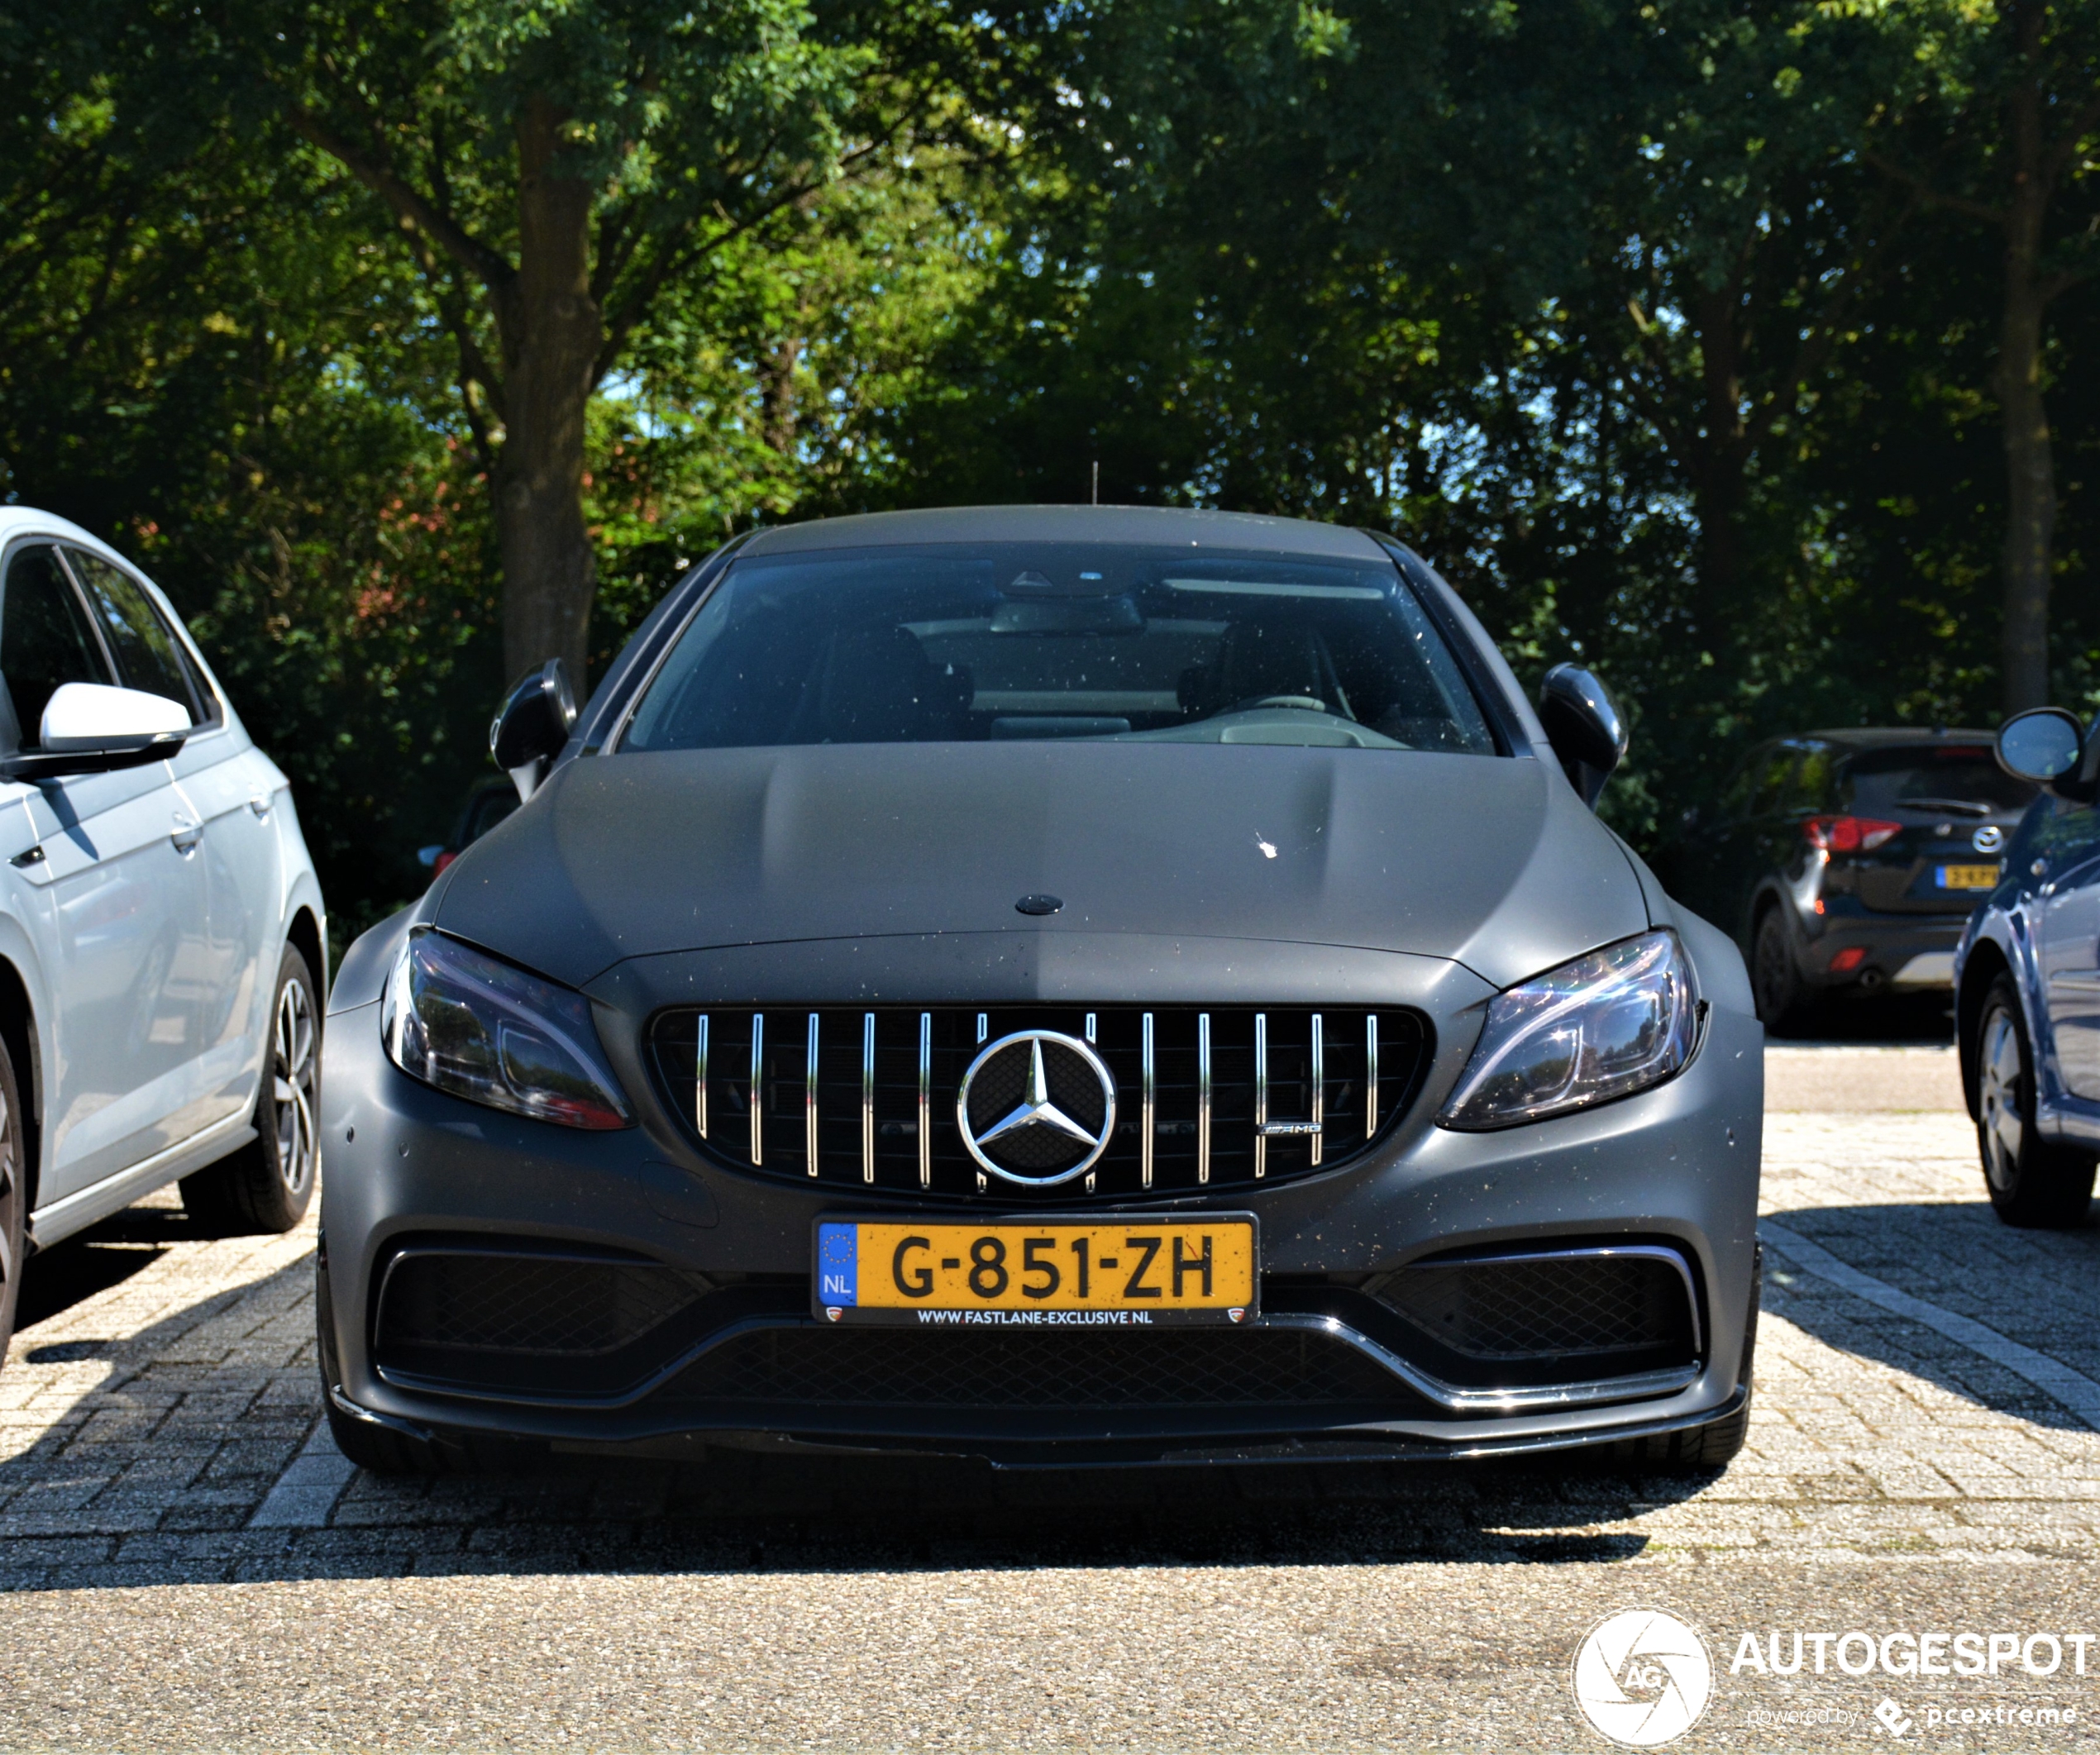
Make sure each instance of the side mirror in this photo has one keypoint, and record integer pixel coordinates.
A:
(533, 724)
(2043, 747)
(91, 728)
(1585, 727)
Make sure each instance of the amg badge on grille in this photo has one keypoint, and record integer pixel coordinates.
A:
(1037, 1108)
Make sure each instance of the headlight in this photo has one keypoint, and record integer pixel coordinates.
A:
(482, 1030)
(1605, 1026)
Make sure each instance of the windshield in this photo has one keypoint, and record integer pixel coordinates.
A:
(955, 642)
(1960, 778)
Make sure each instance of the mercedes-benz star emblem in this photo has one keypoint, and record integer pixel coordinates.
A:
(1037, 1108)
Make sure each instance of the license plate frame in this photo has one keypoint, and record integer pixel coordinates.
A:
(1974, 872)
(949, 1304)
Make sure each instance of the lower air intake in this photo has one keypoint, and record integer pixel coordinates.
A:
(1623, 1307)
(483, 1302)
(1184, 1370)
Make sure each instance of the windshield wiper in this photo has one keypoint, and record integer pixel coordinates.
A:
(1955, 806)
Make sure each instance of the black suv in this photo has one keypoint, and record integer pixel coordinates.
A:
(1847, 861)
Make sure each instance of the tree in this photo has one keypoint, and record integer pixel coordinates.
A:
(1999, 122)
(551, 171)
(204, 360)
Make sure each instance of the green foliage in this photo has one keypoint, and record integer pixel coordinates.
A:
(1657, 325)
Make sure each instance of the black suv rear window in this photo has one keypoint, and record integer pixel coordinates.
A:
(959, 642)
(1961, 777)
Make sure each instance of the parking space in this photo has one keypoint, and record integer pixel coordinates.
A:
(1928, 1399)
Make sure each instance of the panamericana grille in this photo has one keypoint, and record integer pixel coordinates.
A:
(1223, 1097)
(1579, 1303)
(1183, 1369)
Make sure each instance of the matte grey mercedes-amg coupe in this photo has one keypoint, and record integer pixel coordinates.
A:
(1055, 985)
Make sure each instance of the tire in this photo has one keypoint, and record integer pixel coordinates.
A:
(2032, 1182)
(1715, 1445)
(378, 1450)
(268, 1184)
(1775, 978)
(14, 1201)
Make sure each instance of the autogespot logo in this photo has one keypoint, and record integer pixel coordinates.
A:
(1643, 1678)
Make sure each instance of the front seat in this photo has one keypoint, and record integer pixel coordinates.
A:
(878, 686)
(1256, 661)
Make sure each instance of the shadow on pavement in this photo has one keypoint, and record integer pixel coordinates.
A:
(220, 1439)
(105, 1254)
(2040, 1289)
(1887, 1020)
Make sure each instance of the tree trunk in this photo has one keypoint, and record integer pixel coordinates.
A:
(777, 377)
(552, 330)
(2030, 471)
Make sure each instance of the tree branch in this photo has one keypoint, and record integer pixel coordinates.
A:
(1926, 192)
(676, 257)
(474, 364)
(2055, 285)
(409, 205)
(2066, 145)
(1815, 348)
(1655, 408)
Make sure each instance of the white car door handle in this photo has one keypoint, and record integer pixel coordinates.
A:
(186, 833)
(259, 802)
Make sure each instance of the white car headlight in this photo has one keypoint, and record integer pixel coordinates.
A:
(1606, 1025)
(461, 1021)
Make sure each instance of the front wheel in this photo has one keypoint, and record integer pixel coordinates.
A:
(2032, 1181)
(14, 1201)
(268, 1184)
(1775, 980)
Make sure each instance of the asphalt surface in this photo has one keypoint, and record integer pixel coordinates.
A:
(185, 1563)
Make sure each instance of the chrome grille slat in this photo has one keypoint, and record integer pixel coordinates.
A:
(1199, 1085)
(1260, 1095)
(809, 1096)
(867, 1097)
(700, 1079)
(1371, 1077)
(1203, 1097)
(758, 1088)
(1318, 1086)
(1147, 1126)
(926, 1096)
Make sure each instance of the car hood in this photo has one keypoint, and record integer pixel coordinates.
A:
(1491, 861)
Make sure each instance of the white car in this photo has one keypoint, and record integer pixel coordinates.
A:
(163, 943)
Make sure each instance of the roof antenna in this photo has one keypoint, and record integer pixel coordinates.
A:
(1097, 481)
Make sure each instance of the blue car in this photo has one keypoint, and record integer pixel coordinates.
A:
(2027, 984)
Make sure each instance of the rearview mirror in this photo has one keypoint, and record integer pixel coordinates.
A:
(533, 724)
(2042, 747)
(91, 728)
(1585, 727)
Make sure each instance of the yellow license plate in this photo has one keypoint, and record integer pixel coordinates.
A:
(1969, 877)
(1080, 1272)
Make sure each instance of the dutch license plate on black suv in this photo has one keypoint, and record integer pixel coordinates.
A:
(1081, 1270)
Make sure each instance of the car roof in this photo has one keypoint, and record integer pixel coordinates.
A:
(16, 521)
(1243, 533)
(1891, 737)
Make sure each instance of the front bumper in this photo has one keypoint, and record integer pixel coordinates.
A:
(1674, 1168)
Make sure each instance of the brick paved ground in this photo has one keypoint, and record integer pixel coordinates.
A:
(1929, 1387)
(1928, 1383)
